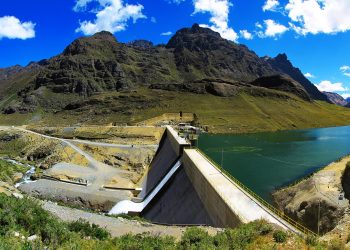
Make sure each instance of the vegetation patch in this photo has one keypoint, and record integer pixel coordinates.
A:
(8, 171)
(21, 219)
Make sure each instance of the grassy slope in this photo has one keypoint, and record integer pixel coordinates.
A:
(243, 113)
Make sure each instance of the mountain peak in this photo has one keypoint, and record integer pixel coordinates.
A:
(106, 35)
(84, 45)
(187, 36)
(282, 57)
(282, 64)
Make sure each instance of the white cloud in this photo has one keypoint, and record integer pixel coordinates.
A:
(309, 75)
(345, 70)
(330, 87)
(169, 33)
(346, 95)
(11, 27)
(271, 5)
(153, 19)
(258, 25)
(219, 11)
(176, 1)
(112, 15)
(81, 5)
(272, 29)
(319, 16)
(246, 34)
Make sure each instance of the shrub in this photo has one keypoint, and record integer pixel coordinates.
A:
(88, 230)
(144, 241)
(280, 236)
(28, 217)
(311, 240)
(196, 238)
(336, 245)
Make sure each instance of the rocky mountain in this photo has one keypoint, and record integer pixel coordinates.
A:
(336, 98)
(202, 53)
(281, 64)
(5, 73)
(196, 60)
(282, 83)
(347, 99)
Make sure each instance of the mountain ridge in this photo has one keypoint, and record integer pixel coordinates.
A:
(195, 59)
(336, 98)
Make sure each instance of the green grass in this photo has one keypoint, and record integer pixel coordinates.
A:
(11, 148)
(239, 114)
(7, 170)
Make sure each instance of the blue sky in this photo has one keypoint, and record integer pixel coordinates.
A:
(315, 34)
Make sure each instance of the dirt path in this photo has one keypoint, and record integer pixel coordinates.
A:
(118, 226)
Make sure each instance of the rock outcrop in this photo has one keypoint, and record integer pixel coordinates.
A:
(318, 201)
(282, 83)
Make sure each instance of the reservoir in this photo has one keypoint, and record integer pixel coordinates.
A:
(265, 162)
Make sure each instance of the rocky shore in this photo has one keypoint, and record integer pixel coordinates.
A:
(318, 201)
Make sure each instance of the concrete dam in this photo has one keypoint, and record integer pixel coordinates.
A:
(184, 187)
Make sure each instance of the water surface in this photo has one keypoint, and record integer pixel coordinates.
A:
(267, 161)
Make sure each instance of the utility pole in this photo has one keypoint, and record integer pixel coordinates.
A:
(222, 157)
(318, 218)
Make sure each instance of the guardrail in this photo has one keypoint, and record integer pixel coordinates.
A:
(304, 230)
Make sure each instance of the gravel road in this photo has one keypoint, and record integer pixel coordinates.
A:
(117, 226)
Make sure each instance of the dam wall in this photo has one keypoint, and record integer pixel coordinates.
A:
(184, 187)
(178, 203)
(169, 151)
(220, 212)
(227, 202)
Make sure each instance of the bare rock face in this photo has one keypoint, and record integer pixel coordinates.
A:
(307, 209)
(216, 87)
(203, 50)
(318, 198)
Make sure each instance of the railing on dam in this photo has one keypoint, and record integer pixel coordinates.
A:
(277, 212)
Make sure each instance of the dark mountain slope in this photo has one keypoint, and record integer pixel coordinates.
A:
(202, 53)
(283, 83)
(281, 64)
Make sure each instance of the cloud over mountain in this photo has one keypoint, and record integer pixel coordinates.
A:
(110, 15)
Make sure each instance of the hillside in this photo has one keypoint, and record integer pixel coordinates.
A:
(100, 80)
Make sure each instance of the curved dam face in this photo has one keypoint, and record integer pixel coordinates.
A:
(183, 187)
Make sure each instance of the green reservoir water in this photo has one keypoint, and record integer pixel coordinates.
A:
(265, 162)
